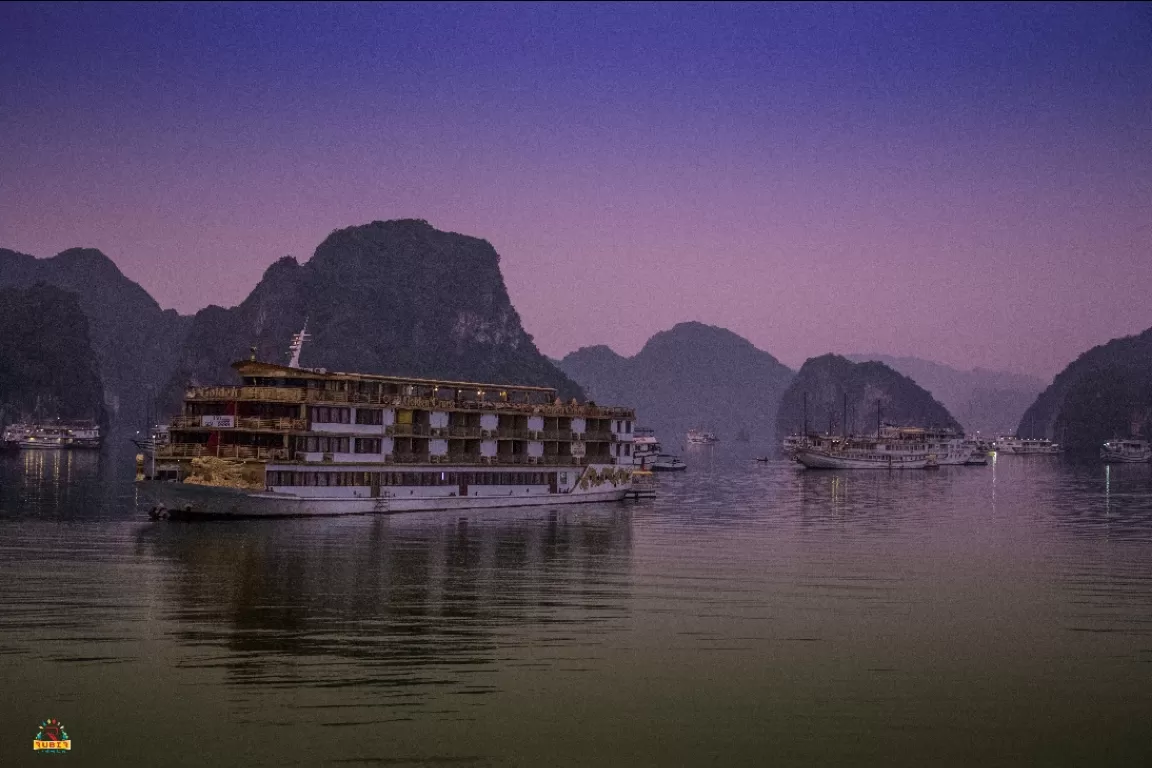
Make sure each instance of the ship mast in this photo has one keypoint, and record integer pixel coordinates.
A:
(298, 340)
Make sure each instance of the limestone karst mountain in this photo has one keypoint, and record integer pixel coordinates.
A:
(135, 341)
(984, 401)
(1104, 393)
(834, 386)
(48, 368)
(396, 297)
(690, 375)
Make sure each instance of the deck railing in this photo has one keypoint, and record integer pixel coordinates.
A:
(244, 422)
(198, 450)
(228, 393)
(408, 430)
(260, 453)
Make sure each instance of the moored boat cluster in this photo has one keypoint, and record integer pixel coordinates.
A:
(895, 447)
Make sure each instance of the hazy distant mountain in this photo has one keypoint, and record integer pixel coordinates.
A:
(989, 402)
(135, 341)
(395, 297)
(48, 368)
(1104, 393)
(692, 375)
(827, 379)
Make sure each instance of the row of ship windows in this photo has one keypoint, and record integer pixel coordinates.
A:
(375, 416)
(290, 478)
(326, 415)
(338, 444)
(360, 445)
(889, 457)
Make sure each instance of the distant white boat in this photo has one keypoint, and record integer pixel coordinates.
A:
(978, 451)
(793, 443)
(666, 463)
(1126, 451)
(645, 447)
(1020, 446)
(701, 437)
(647, 453)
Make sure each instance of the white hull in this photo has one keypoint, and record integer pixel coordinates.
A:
(815, 459)
(52, 444)
(188, 499)
(700, 437)
(957, 458)
(42, 445)
(1027, 447)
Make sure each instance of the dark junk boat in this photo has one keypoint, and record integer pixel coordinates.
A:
(305, 441)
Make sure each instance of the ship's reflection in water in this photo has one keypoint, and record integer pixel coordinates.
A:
(750, 614)
(50, 481)
(402, 605)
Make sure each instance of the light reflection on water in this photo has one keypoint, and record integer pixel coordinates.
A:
(752, 613)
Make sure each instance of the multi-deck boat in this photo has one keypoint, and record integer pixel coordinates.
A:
(863, 453)
(648, 454)
(946, 445)
(1020, 446)
(645, 447)
(14, 433)
(892, 448)
(1126, 451)
(701, 437)
(300, 441)
(60, 435)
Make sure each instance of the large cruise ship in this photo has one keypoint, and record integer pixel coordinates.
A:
(305, 441)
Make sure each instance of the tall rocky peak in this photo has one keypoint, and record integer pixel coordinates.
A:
(692, 375)
(826, 383)
(135, 341)
(600, 371)
(1103, 394)
(48, 368)
(989, 402)
(393, 297)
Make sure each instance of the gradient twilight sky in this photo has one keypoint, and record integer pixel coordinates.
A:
(970, 183)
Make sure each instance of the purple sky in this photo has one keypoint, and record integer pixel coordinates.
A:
(967, 183)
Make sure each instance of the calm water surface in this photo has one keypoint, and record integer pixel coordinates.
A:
(754, 614)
